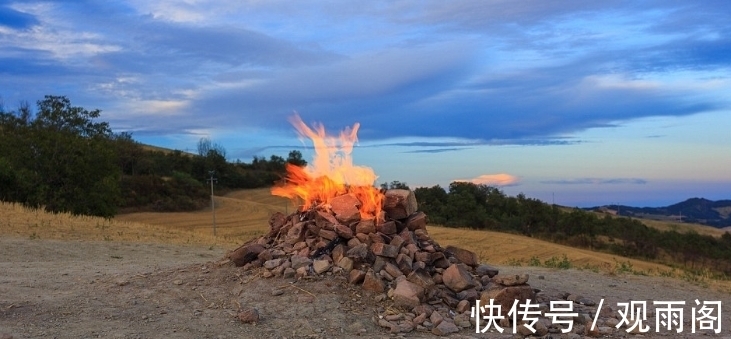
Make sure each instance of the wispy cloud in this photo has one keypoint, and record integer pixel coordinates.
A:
(597, 181)
(500, 179)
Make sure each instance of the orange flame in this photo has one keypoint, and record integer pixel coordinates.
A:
(331, 173)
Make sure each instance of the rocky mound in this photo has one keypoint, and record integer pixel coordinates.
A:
(434, 288)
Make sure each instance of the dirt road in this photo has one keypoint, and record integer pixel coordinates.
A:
(75, 289)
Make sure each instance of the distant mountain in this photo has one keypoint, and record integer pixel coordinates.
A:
(694, 210)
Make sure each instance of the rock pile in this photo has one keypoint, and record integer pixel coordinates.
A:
(434, 287)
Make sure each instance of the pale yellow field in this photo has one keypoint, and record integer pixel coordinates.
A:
(243, 215)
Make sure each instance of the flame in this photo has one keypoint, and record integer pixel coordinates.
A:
(331, 173)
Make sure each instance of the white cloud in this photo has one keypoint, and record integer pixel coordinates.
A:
(499, 179)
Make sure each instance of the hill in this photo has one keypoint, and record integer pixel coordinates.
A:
(695, 210)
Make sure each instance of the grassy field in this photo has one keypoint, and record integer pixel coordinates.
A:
(243, 215)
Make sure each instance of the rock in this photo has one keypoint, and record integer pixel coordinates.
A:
(422, 278)
(506, 296)
(586, 301)
(511, 280)
(384, 250)
(356, 276)
(399, 203)
(462, 306)
(326, 234)
(393, 270)
(457, 278)
(346, 264)
(388, 227)
(271, 264)
(366, 226)
(346, 208)
(487, 270)
(295, 234)
(467, 257)
(445, 328)
(177, 282)
(276, 221)
(416, 221)
(436, 318)
(299, 261)
(344, 231)
(248, 316)
(245, 254)
(359, 252)
(407, 294)
(321, 266)
(289, 273)
(372, 283)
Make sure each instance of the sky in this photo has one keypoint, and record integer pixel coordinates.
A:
(579, 103)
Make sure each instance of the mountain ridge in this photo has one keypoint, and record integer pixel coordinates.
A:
(715, 213)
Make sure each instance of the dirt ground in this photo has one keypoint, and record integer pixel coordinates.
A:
(83, 289)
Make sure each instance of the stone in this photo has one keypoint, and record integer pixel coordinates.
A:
(487, 270)
(366, 226)
(247, 316)
(346, 208)
(388, 227)
(321, 266)
(457, 278)
(338, 252)
(407, 294)
(462, 306)
(404, 262)
(329, 235)
(245, 254)
(436, 318)
(295, 234)
(289, 273)
(359, 252)
(356, 276)
(511, 280)
(302, 272)
(346, 264)
(416, 221)
(445, 328)
(393, 270)
(276, 221)
(422, 278)
(399, 203)
(344, 231)
(299, 261)
(373, 283)
(384, 250)
(506, 296)
(467, 257)
(271, 264)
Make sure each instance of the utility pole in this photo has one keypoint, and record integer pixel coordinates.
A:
(212, 179)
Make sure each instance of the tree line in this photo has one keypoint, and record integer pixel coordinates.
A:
(63, 158)
(466, 204)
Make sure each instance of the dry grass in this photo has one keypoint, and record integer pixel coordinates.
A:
(18, 220)
(243, 215)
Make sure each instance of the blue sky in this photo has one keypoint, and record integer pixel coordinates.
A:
(578, 102)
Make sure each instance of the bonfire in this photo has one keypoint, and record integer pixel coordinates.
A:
(345, 227)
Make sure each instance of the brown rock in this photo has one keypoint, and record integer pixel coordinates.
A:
(300, 261)
(506, 296)
(346, 264)
(276, 221)
(407, 294)
(384, 250)
(344, 231)
(487, 270)
(467, 257)
(321, 266)
(404, 262)
(445, 328)
(399, 203)
(365, 226)
(436, 318)
(346, 208)
(422, 278)
(393, 270)
(338, 252)
(248, 316)
(295, 234)
(462, 306)
(356, 276)
(373, 283)
(245, 254)
(325, 220)
(359, 252)
(329, 235)
(457, 278)
(388, 227)
(416, 221)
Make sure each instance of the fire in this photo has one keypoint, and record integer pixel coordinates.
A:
(331, 173)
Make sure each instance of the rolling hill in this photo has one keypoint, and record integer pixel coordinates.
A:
(695, 210)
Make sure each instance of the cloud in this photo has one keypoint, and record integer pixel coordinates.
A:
(436, 150)
(598, 181)
(500, 179)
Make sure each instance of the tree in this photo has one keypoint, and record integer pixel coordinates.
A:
(295, 158)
